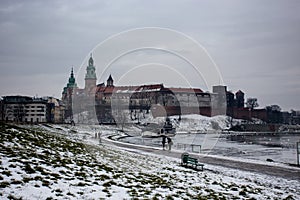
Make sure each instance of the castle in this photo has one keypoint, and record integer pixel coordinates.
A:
(105, 101)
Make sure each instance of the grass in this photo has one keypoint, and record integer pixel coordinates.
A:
(46, 160)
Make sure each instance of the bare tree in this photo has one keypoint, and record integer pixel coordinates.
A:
(274, 108)
(252, 103)
(120, 110)
(16, 112)
(8, 112)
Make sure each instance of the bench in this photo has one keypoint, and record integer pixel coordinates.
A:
(188, 161)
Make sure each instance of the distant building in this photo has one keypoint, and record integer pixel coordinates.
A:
(160, 100)
(67, 95)
(103, 101)
(240, 99)
(219, 100)
(1, 110)
(56, 110)
(295, 117)
(30, 109)
(78, 100)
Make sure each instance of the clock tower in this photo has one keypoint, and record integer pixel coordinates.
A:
(90, 76)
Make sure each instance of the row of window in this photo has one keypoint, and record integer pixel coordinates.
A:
(35, 115)
(20, 106)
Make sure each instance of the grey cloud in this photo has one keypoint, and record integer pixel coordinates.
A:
(251, 41)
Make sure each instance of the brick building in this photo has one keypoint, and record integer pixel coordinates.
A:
(105, 102)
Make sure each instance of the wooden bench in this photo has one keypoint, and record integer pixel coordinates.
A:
(188, 161)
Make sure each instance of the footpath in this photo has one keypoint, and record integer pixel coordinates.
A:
(291, 173)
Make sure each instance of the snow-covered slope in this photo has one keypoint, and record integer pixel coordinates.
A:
(196, 123)
(59, 162)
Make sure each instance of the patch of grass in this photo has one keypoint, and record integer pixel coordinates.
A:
(242, 193)
(157, 196)
(70, 194)
(38, 178)
(6, 172)
(45, 183)
(80, 174)
(10, 196)
(28, 169)
(12, 166)
(104, 177)
(109, 183)
(58, 190)
(81, 184)
(4, 184)
(55, 175)
(289, 197)
(16, 182)
(169, 197)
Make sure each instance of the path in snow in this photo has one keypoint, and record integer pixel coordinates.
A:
(291, 173)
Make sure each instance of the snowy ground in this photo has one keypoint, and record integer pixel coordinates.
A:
(62, 162)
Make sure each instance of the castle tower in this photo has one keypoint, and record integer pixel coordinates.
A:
(72, 81)
(68, 93)
(218, 100)
(90, 76)
(71, 85)
(110, 82)
(240, 100)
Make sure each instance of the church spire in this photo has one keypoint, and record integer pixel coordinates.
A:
(72, 72)
(91, 60)
(90, 76)
(72, 81)
(110, 81)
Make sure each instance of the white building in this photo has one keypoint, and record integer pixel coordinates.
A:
(25, 109)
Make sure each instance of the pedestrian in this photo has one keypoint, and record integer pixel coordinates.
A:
(170, 143)
(99, 136)
(163, 141)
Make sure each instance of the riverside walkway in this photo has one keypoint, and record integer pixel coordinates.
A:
(291, 173)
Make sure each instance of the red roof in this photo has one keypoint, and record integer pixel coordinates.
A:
(144, 88)
(186, 90)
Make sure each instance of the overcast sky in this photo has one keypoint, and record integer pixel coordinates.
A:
(255, 44)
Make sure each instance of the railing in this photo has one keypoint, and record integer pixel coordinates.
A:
(195, 148)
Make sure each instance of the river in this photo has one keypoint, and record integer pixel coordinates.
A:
(279, 147)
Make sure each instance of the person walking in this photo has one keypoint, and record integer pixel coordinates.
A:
(163, 141)
(170, 143)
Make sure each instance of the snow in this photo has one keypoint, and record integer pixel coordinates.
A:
(72, 165)
(194, 123)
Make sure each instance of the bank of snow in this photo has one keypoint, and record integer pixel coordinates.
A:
(196, 123)
(59, 162)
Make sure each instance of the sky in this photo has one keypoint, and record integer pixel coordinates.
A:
(254, 43)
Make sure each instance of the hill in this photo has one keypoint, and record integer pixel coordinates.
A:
(60, 162)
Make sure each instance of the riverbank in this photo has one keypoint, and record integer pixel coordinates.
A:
(59, 161)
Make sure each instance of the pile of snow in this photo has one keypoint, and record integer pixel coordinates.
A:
(192, 123)
(196, 123)
(199, 123)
